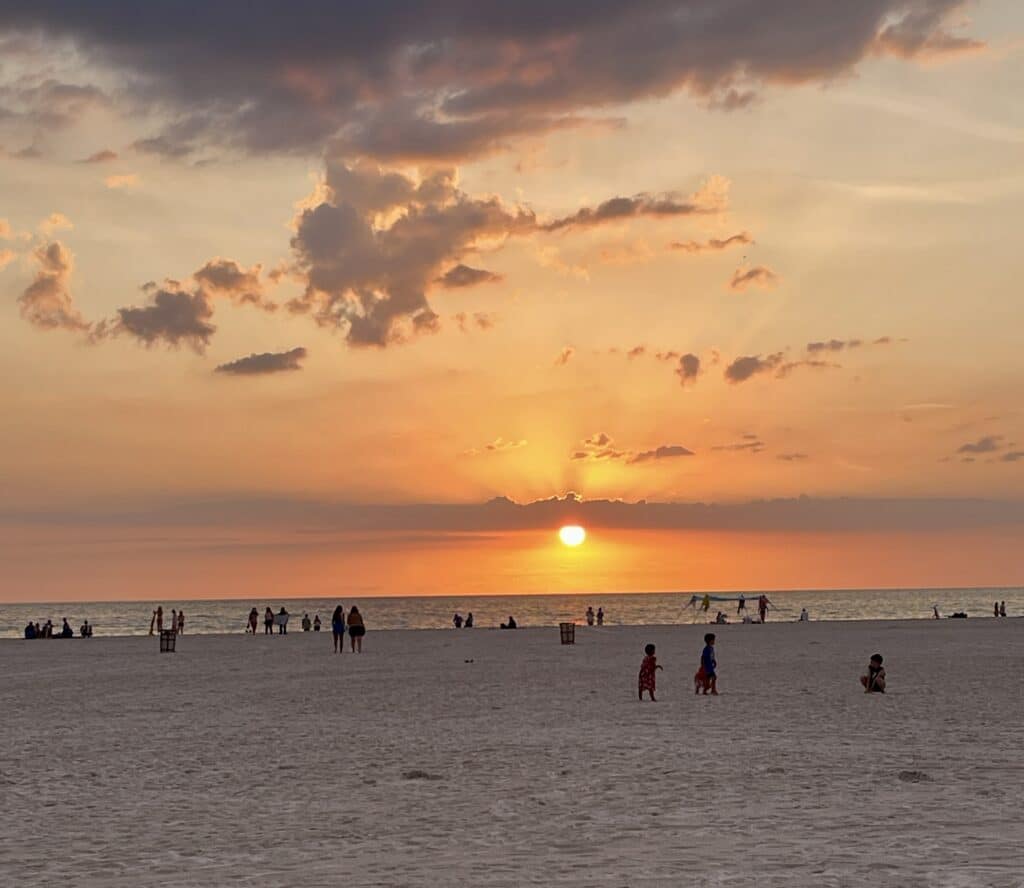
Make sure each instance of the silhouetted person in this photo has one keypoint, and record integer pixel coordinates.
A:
(1002, 608)
(282, 621)
(316, 623)
(181, 622)
(590, 616)
(457, 621)
(600, 616)
(469, 620)
(66, 631)
(30, 630)
(254, 620)
(268, 622)
(511, 624)
(356, 630)
(307, 623)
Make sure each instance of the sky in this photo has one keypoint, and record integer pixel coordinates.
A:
(304, 298)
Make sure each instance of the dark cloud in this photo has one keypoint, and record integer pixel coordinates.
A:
(104, 156)
(748, 443)
(1012, 456)
(225, 277)
(47, 302)
(173, 317)
(713, 245)
(458, 76)
(482, 320)
(265, 363)
(637, 351)
(371, 277)
(833, 345)
(758, 276)
(711, 198)
(741, 369)
(600, 446)
(665, 451)
(688, 369)
(461, 275)
(986, 444)
(792, 457)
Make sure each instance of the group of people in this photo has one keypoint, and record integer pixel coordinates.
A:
(353, 622)
(460, 622)
(177, 623)
(45, 630)
(999, 608)
(591, 616)
(705, 680)
(270, 620)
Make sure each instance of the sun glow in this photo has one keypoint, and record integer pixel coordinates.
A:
(572, 534)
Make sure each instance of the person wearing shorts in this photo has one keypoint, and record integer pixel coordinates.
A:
(356, 630)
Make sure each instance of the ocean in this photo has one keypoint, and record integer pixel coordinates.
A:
(423, 612)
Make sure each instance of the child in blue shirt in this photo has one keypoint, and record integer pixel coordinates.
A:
(707, 675)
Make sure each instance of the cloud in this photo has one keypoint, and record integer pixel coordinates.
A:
(600, 447)
(1012, 456)
(104, 156)
(688, 369)
(122, 180)
(5, 230)
(498, 445)
(482, 320)
(416, 80)
(749, 443)
(54, 222)
(741, 369)
(712, 245)
(792, 457)
(370, 276)
(6, 258)
(986, 444)
(665, 451)
(758, 276)
(265, 363)
(47, 302)
(710, 198)
(225, 277)
(461, 275)
(564, 356)
(637, 351)
(838, 345)
(174, 317)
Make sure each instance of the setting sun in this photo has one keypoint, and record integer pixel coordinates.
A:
(572, 535)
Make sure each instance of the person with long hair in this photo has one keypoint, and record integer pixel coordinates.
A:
(356, 630)
(338, 629)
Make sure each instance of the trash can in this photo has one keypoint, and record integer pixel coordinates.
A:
(568, 631)
(167, 640)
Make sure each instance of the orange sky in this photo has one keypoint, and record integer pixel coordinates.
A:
(445, 258)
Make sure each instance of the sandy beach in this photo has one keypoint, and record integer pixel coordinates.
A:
(486, 758)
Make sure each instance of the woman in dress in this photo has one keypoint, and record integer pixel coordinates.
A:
(356, 630)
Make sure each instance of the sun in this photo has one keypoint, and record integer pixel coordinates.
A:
(572, 534)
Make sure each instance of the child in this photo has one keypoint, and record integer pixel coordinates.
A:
(647, 670)
(706, 678)
(874, 680)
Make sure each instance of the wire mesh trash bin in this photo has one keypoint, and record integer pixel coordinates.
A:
(167, 640)
(568, 631)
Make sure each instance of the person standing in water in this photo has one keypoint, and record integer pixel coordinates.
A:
(1002, 608)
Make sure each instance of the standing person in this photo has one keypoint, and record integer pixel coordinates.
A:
(282, 621)
(590, 616)
(705, 603)
(762, 607)
(600, 616)
(874, 679)
(159, 619)
(181, 622)
(742, 606)
(174, 620)
(316, 623)
(307, 624)
(648, 667)
(935, 611)
(338, 629)
(254, 620)
(268, 621)
(457, 621)
(1002, 608)
(356, 630)
(804, 616)
(995, 608)
(469, 620)
(708, 666)
(152, 623)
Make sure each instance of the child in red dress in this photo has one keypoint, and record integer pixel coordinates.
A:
(647, 670)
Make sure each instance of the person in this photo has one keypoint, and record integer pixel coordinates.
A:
(66, 631)
(804, 616)
(307, 623)
(254, 620)
(86, 630)
(338, 629)
(705, 603)
(356, 630)
(174, 621)
(874, 679)
(600, 616)
(469, 621)
(39, 631)
(511, 624)
(268, 621)
(1002, 608)
(282, 621)
(720, 618)
(706, 678)
(316, 623)
(742, 606)
(590, 616)
(181, 622)
(152, 623)
(995, 608)
(30, 630)
(647, 669)
(159, 619)
(48, 629)
(457, 621)
(935, 611)
(762, 607)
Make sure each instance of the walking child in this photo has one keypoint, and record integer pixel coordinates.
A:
(706, 679)
(647, 669)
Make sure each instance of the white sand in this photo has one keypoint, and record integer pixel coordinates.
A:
(269, 761)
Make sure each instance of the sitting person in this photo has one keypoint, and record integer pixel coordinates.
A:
(30, 630)
(874, 679)
(85, 630)
(720, 618)
(511, 624)
(66, 631)
(804, 616)
(469, 620)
